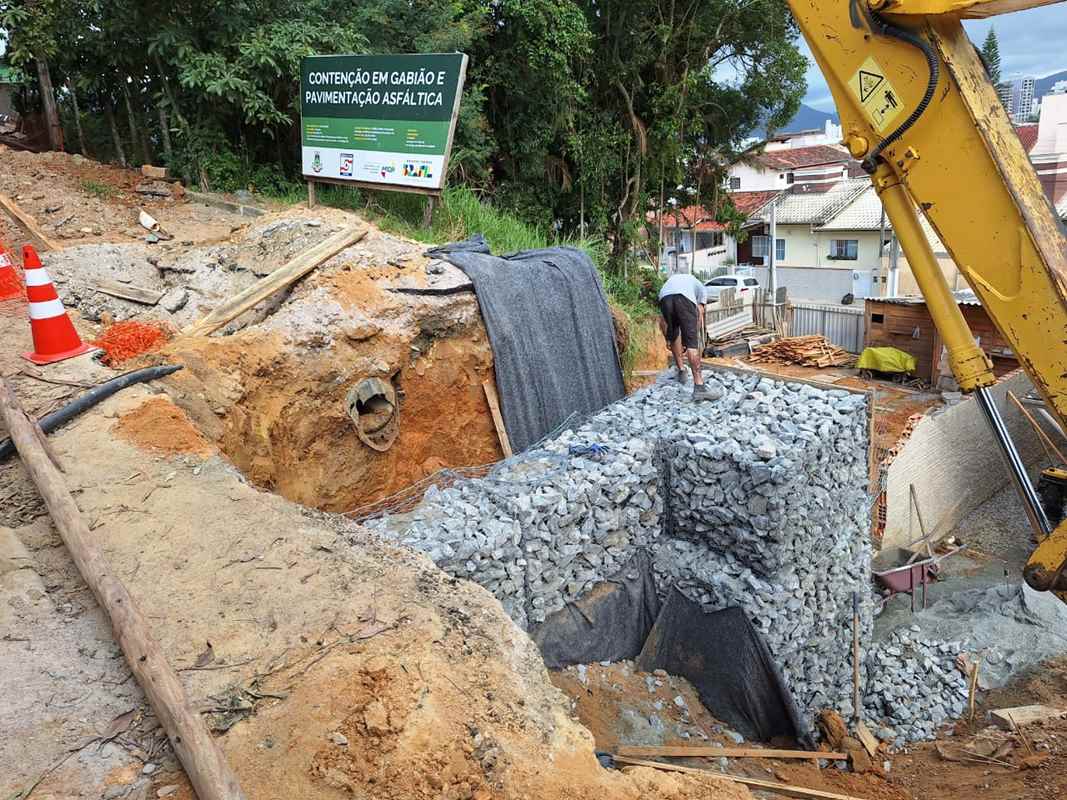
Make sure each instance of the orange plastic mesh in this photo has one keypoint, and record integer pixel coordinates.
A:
(124, 340)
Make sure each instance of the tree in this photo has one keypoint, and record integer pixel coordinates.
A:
(991, 55)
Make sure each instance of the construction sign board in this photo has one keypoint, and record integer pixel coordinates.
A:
(382, 120)
(878, 99)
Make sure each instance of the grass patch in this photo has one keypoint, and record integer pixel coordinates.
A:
(104, 191)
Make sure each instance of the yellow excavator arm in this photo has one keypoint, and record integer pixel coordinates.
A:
(918, 108)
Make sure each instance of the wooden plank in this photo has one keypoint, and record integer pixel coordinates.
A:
(296, 268)
(27, 222)
(708, 751)
(148, 297)
(863, 733)
(1009, 718)
(498, 419)
(208, 770)
(788, 790)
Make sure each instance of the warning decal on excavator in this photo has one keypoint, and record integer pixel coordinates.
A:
(876, 94)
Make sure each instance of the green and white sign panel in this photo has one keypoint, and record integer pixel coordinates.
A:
(385, 119)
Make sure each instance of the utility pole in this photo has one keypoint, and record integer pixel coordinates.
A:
(883, 289)
(772, 277)
(894, 267)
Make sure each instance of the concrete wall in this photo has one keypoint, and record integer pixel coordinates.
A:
(820, 284)
(954, 464)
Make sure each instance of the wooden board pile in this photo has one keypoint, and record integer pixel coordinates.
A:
(807, 351)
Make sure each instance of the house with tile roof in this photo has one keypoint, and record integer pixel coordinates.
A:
(776, 170)
(695, 241)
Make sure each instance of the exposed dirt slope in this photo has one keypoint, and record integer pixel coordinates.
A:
(273, 395)
(340, 666)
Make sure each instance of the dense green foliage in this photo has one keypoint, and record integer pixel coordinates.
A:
(579, 116)
(991, 56)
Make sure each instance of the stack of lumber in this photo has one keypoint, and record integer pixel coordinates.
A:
(807, 351)
(748, 332)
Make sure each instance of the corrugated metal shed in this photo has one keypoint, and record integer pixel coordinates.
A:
(965, 297)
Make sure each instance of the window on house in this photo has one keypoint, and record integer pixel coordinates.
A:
(735, 183)
(760, 246)
(844, 249)
(878, 319)
(707, 240)
(779, 249)
(790, 178)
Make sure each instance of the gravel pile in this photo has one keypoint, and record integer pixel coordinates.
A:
(766, 508)
(913, 685)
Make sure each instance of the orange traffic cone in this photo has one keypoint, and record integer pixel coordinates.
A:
(10, 285)
(54, 337)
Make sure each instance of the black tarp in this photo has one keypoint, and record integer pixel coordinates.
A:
(551, 332)
(725, 658)
(608, 623)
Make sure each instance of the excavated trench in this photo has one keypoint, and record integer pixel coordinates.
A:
(347, 393)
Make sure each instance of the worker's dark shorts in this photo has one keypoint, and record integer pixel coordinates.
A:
(681, 314)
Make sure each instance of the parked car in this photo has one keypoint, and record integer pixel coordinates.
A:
(744, 287)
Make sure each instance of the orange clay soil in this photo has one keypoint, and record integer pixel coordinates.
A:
(273, 395)
(159, 425)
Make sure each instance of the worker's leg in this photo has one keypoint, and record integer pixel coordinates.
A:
(694, 363)
(676, 350)
(672, 332)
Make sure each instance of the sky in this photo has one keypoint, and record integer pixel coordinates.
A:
(1031, 43)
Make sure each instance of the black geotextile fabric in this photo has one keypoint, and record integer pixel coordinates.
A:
(609, 623)
(551, 332)
(725, 658)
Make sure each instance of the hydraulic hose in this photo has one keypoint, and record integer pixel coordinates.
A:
(883, 28)
(97, 394)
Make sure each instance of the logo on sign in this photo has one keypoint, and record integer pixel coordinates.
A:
(417, 171)
(387, 169)
(316, 163)
(346, 164)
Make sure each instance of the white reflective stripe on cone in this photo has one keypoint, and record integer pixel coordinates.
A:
(46, 309)
(37, 277)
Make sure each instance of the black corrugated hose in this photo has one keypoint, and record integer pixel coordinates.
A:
(97, 394)
(883, 28)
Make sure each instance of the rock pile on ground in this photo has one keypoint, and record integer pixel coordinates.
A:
(766, 508)
(914, 686)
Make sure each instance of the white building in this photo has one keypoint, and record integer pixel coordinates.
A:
(779, 169)
(829, 135)
(1018, 98)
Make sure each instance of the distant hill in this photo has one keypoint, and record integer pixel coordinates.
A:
(1042, 86)
(808, 118)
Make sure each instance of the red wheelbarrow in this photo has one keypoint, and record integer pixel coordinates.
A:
(900, 570)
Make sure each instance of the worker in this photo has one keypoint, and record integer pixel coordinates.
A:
(681, 301)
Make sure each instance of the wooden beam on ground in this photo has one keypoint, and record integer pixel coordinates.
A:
(498, 419)
(785, 789)
(136, 294)
(1009, 718)
(708, 751)
(208, 770)
(27, 222)
(863, 733)
(297, 267)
